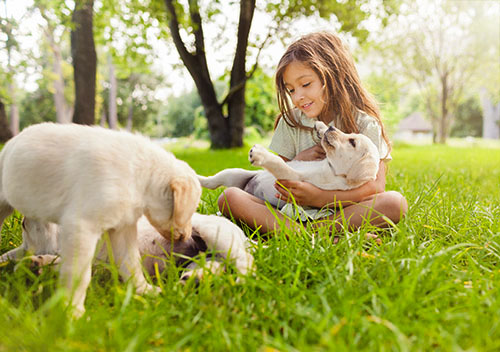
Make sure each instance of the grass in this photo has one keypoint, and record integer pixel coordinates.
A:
(432, 285)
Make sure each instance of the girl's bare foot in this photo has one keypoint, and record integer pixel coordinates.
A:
(372, 236)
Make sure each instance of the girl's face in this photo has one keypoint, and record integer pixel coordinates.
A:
(305, 88)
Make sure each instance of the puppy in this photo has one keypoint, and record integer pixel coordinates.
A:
(89, 180)
(351, 160)
(210, 233)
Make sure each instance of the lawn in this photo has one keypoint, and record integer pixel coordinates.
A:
(433, 284)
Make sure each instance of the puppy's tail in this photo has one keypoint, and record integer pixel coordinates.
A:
(229, 178)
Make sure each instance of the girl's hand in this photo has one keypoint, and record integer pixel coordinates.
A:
(314, 153)
(304, 193)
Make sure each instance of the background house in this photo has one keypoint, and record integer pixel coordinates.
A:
(413, 127)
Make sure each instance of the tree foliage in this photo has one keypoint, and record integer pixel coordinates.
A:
(261, 108)
(136, 98)
(387, 90)
(468, 119)
(179, 114)
(436, 45)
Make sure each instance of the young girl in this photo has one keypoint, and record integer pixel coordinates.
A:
(317, 75)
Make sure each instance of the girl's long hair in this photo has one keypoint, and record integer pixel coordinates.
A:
(325, 53)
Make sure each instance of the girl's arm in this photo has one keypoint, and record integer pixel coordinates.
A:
(314, 153)
(306, 194)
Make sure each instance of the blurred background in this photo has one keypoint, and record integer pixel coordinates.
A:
(204, 69)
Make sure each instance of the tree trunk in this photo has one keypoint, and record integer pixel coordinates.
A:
(196, 64)
(63, 111)
(236, 102)
(5, 132)
(225, 132)
(84, 63)
(130, 116)
(103, 118)
(14, 110)
(443, 119)
(113, 114)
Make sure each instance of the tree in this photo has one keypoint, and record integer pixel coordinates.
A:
(437, 46)
(121, 32)
(84, 62)
(468, 119)
(8, 26)
(136, 97)
(261, 107)
(38, 106)
(55, 18)
(180, 113)
(113, 91)
(226, 118)
(224, 132)
(387, 89)
(5, 132)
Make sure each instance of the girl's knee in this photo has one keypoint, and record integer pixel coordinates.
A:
(229, 199)
(396, 206)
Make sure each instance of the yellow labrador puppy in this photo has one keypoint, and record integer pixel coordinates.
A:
(351, 160)
(89, 180)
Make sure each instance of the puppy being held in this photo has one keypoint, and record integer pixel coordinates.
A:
(210, 234)
(351, 160)
(89, 180)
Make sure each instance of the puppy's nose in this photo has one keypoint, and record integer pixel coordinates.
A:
(331, 129)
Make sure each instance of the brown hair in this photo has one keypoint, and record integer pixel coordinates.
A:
(325, 53)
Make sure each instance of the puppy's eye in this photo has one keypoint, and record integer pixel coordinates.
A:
(353, 142)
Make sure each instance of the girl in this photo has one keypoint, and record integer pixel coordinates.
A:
(317, 75)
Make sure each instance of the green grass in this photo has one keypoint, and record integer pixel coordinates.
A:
(432, 285)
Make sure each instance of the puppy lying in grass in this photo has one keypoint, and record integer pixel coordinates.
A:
(210, 234)
(89, 180)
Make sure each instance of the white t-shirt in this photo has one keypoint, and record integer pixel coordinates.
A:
(289, 141)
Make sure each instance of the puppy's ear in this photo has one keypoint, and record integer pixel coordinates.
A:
(363, 170)
(320, 129)
(181, 216)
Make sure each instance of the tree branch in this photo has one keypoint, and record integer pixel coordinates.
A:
(199, 41)
(173, 24)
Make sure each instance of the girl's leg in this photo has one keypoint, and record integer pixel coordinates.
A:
(242, 206)
(372, 210)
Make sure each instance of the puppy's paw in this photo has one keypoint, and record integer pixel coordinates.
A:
(43, 260)
(196, 273)
(37, 263)
(77, 312)
(188, 275)
(320, 129)
(257, 155)
(148, 289)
